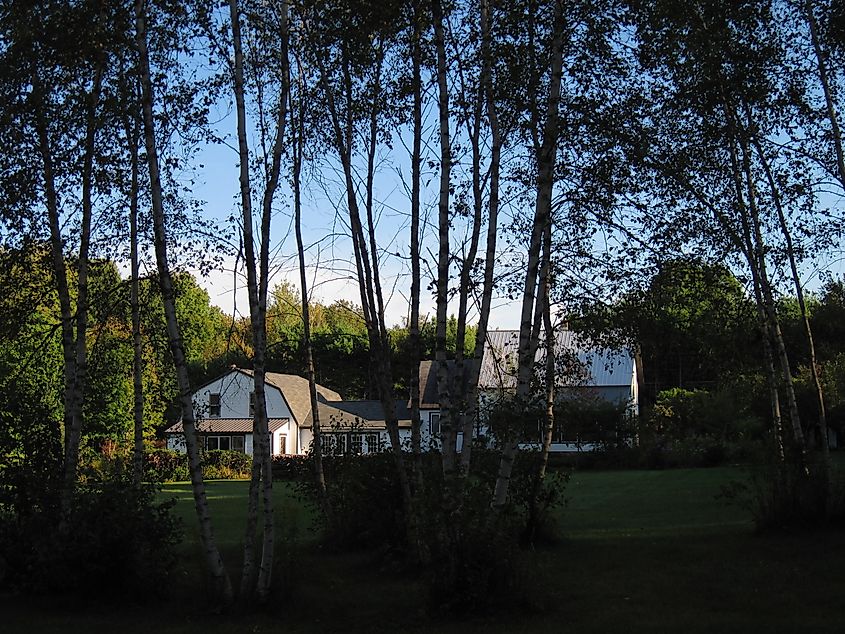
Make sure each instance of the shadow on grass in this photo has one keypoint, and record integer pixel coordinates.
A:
(641, 551)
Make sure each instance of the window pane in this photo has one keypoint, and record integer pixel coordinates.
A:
(212, 443)
(357, 443)
(214, 405)
(252, 403)
(225, 442)
(373, 443)
(434, 424)
(238, 443)
(282, 444)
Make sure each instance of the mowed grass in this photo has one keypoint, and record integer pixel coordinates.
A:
(640, 551)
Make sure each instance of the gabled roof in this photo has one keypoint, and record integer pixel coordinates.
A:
(428, 384)
(226, 425)
(588, 365)
(294, 390)
(428, 381)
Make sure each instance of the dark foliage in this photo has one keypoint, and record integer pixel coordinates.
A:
(365, 499)
(785, 496)
(292, 468)
(165, 465)
(472, 561)
(117, 542)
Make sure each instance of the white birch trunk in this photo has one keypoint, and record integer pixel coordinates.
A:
(546, 155)
(221, 585)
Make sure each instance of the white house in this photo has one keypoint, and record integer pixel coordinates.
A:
(224, 411)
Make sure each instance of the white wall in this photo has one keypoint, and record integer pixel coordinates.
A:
(234, 389)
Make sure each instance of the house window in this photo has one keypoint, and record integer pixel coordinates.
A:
(373, 443)
(224, 443)
(334, 444)
(434, 425)
(283, 441)
(252, 403)
(357, 443)
(214, 405)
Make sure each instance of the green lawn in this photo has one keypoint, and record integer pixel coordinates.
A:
(642, 551)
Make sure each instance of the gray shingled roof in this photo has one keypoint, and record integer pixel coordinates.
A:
(428, 386)
(295, 391)
(428, 381)
(357, 414)
(226, 425)
(599, 367)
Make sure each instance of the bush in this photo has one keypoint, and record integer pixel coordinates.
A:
(117, 541)
(477, 564)
(471, 561)
(365, 498)
(786, 496)
(292, 468)
(165, 465)
(221, 464)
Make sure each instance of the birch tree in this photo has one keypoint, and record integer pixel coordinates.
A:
(733, 99)
(349, 50)
(53, 99)
(221, 583)
(271, 27)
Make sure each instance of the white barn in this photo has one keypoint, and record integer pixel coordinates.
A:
(584, 371)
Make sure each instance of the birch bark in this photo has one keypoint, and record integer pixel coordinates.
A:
(546, 154)
(221, 584)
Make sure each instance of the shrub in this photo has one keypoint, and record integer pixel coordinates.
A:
(292, 468)
(221, 464)
(165, 465)
(365, 499)
(117, 541)
(472, 561)
(787, 496)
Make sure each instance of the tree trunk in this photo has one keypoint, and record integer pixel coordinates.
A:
(72, 409)
(414, 322)
(221, 585)
(799, 292)
(549, 422)
(769, 303)
(257, 282)
(342, 136)
(488, 97)
(447, 426)
(74, 344)
(546, 155)
(317, 442)
(137, 349)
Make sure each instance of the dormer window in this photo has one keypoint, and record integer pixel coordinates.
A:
(214, 405)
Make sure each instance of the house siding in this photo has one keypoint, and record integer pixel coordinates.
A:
(234, 389)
